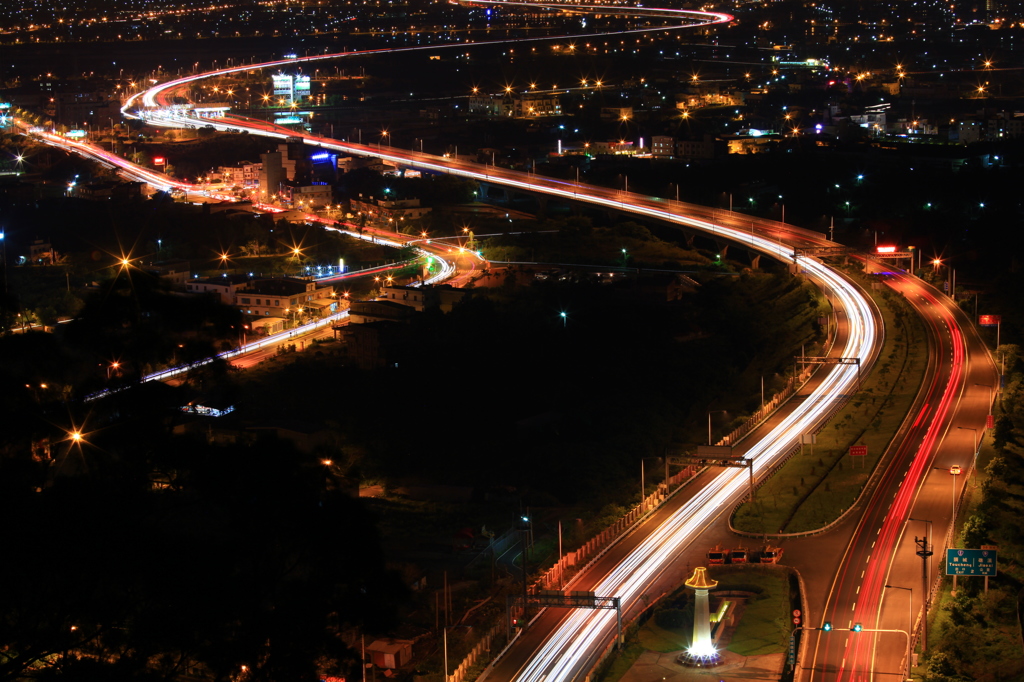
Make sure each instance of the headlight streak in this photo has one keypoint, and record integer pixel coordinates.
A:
(568, 648)
(151, 97)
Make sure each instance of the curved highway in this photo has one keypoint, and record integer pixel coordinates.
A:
(569, 648)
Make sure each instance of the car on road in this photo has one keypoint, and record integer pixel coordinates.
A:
(738, 556)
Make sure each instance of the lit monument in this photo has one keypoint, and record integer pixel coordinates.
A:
(702, 651)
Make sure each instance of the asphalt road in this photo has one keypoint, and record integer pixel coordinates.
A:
(878, 549)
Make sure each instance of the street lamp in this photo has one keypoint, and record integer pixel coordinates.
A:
(967, 428)
(989, 387)
(113, 365)
(564, 319)
(954, 471)
(711, 412)
(910, 616)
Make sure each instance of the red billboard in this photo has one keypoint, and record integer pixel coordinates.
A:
(159, 160)
(989, 320)
(858, 451)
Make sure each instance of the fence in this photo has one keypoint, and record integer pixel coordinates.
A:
(476, 653)
(579, 560)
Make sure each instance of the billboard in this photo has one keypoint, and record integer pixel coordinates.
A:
(283, 86)
(989, 320)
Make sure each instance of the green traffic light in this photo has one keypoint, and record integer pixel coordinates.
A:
(827, 627)
(857, 627)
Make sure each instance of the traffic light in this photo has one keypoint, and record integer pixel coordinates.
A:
(515, 622)
(827, 627)
(857, 627)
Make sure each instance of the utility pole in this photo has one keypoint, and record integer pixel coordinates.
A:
(924, 550)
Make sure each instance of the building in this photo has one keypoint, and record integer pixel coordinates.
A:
(1004, 125)
(225, 287)
(414, 297)
(601, 147)
(619, 113)
(705, 148)
(267, 326)
(286, 297)
(531, 106)
(276, 167)
(390, 653)
(316, 194)
(245, 174)
(108, 189)
(176, 272)
(663, 147)
(271, 175)
(42, 253)
(388, 210)
(363, 312)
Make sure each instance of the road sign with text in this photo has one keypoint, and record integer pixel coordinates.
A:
(989, 320)
(971, 562)
(858, 451)
(990, 422)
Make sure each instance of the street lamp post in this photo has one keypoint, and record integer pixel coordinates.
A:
(974, 459)
(954, 471)
(711, 412)
(910, 617)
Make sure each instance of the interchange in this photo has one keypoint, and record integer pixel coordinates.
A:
(568, 649)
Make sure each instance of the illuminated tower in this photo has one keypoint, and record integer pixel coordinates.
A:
(702, 650)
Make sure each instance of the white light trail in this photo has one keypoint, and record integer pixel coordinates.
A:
(569, 649)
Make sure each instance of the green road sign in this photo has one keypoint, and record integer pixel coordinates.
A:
(971, 562)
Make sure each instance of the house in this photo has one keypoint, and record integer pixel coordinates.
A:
(176, 272)
(286, 297)
(390, 653)
(414, 297)
(226, 287)
(363, 312)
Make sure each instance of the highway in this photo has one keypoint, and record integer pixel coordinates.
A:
(565, 646)
(570, 648)
(940, 432)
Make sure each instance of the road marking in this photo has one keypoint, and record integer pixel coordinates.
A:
(858, 589)
(873, 544)
(868, 560)
(854, 607)
(862, 573)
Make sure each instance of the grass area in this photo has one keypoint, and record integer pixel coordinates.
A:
(656, 638)
(765, 625)
(812, 490)
(620, 663)
(763, 628)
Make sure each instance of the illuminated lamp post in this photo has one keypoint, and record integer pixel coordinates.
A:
(702, 652)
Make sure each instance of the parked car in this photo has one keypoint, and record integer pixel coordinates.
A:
(771, 555)
(717, 555)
